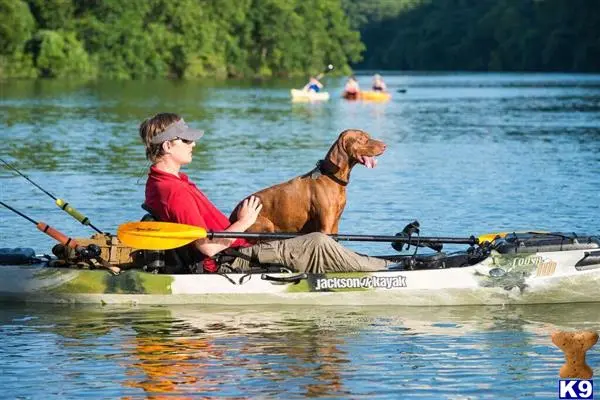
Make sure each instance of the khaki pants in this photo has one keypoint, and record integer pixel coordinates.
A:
(313, 253)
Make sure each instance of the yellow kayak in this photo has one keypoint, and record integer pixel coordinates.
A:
(368, 95)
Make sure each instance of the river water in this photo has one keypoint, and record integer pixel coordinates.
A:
(467, 154)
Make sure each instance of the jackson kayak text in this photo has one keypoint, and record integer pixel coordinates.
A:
(366, 282)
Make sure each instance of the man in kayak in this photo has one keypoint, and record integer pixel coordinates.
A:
(351, 89)
(172, 197)
(379, 84)
(313, 85)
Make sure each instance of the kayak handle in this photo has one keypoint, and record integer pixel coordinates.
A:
(295, 279)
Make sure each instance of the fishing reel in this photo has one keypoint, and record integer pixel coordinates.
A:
(478, 252)
(90, 251)
(408, 232)
(83, 253)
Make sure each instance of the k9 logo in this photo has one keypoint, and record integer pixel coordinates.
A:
(576, 389)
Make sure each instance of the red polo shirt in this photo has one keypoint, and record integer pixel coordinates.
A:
(177, 199)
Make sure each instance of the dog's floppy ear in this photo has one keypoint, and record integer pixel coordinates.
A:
(348, 138)
(337, 154)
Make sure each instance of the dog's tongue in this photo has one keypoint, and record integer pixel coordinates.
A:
(369, 162)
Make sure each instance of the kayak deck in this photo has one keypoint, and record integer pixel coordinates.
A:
(532, 281)
(526, 268)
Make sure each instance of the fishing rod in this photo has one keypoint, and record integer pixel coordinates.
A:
(91, 251)
(62, 204)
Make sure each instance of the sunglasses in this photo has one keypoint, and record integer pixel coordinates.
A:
(186, 141)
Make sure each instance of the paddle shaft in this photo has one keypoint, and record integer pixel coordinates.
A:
(322, 74)
(153, 235)
(339, 237)
(60, 203)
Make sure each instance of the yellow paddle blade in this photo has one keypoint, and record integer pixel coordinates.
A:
(489, 237)
(158, 235)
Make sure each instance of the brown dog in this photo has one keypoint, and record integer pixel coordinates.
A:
(314, 202)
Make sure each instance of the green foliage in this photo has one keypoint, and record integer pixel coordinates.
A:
(18, 65)
(363, 12)
(52, 14)
(16, 28)
(16, 25)
(131, 39)
(59, 54)
(134, 39)
(522, 35)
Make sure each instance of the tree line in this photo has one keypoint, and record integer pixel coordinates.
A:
(478, 35)
(130, 39)
(134, 39)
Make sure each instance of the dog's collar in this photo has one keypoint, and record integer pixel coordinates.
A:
(329, 169)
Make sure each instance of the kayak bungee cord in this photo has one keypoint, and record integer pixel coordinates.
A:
(91, 251)
(62, 204)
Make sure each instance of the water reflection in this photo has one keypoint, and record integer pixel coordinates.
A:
(269, 351)
(171, 366)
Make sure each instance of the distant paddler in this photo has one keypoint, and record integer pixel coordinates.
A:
(378, 84)
(314, 84)
(62, 204)
(351, 89)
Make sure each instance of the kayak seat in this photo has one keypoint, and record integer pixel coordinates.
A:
(175, 261)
